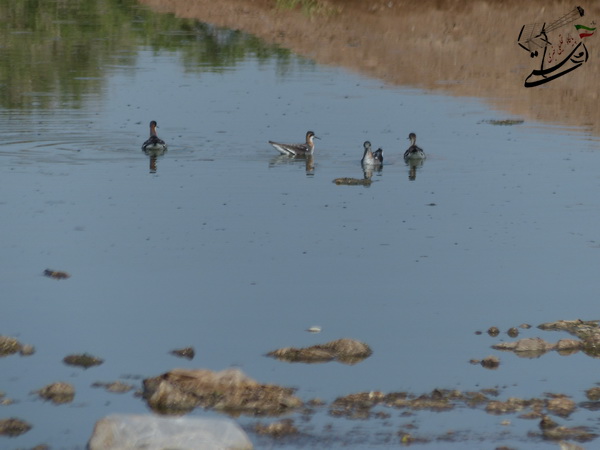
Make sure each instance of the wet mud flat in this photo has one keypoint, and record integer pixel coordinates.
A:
(275, 414)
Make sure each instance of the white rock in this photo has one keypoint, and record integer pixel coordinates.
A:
(149, 432)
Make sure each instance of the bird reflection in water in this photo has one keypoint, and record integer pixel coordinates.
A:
(308, 160)
(153, 155)
(413, 164)
(368, 171)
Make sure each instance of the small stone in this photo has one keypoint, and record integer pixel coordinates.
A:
(116, 387)
(58, 393)
(493, 331)
(56, 274)
(9, 345)
(509, 406)
(513, 332)
(568, 345)
(187, 352)
(580, 434)
(593, 394)
(561, 406)
(13, 427)
(27, 350)
(315, 402)
(83, 360)
(277, 429)
(546, 423)
(491, 362)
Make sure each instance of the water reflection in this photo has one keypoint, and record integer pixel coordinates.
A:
(413, 164)
(368, 171)
(52, 57)
(310, 165)
(308, 160)
(153, 155)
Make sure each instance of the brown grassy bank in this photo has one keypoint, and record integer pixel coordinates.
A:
(458, 47)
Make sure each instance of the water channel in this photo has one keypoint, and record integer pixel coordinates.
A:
(225, 246)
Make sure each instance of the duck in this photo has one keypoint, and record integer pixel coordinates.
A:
(414, 152)
(371, 158)
(297, 149)
(154, 143)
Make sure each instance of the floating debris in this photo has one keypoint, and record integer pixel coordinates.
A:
(56, 274)
(4, 401)
(407, 439)
(277, 429)
(13, 427)
(347, 351)
(116, 386)
(561, 405)
(353, 181)
(84, 360)
(356, 406)
(187, 352)
(57, 393)
(9, 346)
(511, 405)
(231, 391)
(314, 329)
(559, 433)
(504, 122)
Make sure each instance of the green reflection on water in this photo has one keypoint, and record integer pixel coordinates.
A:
(55, 53)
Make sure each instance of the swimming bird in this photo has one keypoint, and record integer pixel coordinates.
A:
(297, 149)
(154, 143)
(413, 152)
(371, 158)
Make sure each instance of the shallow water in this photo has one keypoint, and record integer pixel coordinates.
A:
(233, 250)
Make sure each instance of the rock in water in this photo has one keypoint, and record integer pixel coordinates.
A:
(130, 431)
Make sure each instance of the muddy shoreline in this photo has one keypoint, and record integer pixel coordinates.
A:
(445, 46)
(230, 391)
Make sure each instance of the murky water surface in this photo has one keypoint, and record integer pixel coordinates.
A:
(222, 245)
